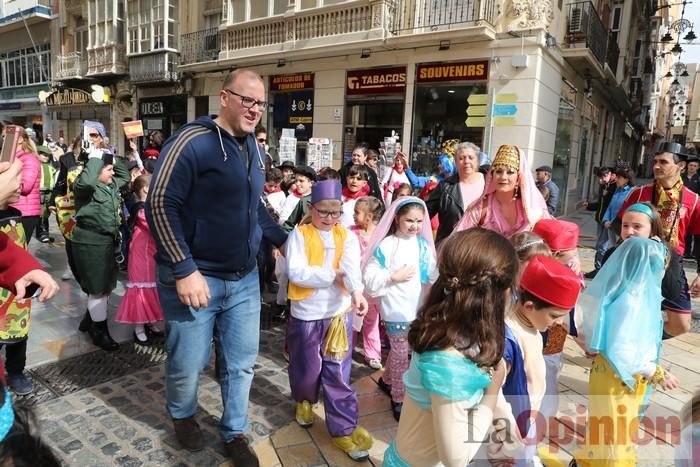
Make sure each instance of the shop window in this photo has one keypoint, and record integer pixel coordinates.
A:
(440, 111)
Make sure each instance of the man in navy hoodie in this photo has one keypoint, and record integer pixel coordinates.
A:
(205, 213)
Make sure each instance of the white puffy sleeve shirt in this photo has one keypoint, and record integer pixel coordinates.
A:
(327, 300)
(400, 300)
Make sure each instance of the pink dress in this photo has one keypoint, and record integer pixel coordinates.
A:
(140, 304)
(371, 340)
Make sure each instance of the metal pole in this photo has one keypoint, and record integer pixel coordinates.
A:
(36, 51)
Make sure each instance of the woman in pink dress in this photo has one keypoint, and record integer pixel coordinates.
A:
(511, 202)
(140, 305)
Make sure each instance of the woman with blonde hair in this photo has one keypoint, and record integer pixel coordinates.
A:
(29, 203)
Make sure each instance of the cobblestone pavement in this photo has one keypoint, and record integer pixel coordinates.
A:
(121, 419)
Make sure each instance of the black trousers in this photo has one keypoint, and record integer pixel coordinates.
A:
(30, 223)
(15, 357)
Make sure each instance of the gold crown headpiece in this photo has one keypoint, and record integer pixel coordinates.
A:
(507, 155)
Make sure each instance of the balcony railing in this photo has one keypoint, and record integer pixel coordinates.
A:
(317, 23)
(153, 68)
(71, 66)
(200, 46)
(436, 15)
(612, 54)
(585, 27)
(108, 59)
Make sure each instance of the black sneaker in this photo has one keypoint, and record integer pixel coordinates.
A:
(188, 434)
(396, 409)
(240, 452)
(386, 388)
(20, 384)
(591, 274)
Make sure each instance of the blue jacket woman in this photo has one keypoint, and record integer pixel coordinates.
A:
(624, 185)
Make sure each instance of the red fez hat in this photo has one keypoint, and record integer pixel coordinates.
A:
(558, 235)
(551, 282)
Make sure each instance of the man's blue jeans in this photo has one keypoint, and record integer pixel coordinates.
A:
(234, 308)
(606, 240)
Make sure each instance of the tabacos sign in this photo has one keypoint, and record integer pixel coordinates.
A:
(462, 71)
(389, 80)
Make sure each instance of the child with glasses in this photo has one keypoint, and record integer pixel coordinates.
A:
(399, 265)
(325, 284)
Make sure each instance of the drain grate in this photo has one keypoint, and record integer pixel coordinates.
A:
(74, 374)
(83, 371)
(140, 356)
(41, 392)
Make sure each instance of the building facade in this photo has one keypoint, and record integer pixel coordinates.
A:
(25, 61)
(563, 81)
(575, 84)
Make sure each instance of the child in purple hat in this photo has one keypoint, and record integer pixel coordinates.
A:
(325, 285)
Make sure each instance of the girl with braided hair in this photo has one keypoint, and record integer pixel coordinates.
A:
(458, 339)
(398, 266)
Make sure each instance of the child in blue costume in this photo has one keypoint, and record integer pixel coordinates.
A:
(548, 290)
(458, 339)
(621, 319)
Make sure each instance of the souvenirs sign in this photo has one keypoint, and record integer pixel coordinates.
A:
(461, 71)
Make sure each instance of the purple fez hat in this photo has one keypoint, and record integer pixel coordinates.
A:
(326, 189)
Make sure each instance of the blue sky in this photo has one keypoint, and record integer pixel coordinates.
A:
(691, 52)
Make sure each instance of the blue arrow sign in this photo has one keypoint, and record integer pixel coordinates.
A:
(504, 110)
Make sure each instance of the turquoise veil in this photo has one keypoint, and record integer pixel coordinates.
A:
(621, 308)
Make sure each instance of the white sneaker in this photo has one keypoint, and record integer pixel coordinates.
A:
(67, 275)
(375, 364)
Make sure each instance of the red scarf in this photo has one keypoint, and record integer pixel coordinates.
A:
(297, 193)
(269, 192)
(348, 195)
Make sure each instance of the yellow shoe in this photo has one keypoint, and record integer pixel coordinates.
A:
(356, 446)
(362, 438)
(304, 415)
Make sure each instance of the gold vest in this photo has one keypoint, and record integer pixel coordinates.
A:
(314, 254)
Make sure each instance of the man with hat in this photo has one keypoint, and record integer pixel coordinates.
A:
(679, 208)
(544, 178)
(607, 184)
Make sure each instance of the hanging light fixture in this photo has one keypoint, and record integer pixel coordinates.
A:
(685, 74)
(668, 74)
(667, 37)
(677, 49)
(675, 82)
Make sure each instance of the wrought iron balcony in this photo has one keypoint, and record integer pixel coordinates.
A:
(612, 54)
(335, 25)
(200, 46)
(410, 17)
(71, 66)
(586, 39)
(106, 60)
(154, 67)
(350, 25)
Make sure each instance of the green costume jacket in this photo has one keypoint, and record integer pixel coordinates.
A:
(97, 204)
